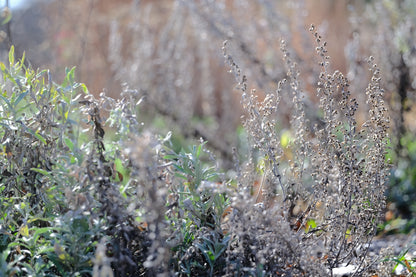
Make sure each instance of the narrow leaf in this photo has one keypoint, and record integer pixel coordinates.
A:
(11, 55)
(19, 98)
(24, 231)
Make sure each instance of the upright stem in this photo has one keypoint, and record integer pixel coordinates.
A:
(8, 28)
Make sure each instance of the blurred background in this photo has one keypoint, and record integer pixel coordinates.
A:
(170, 51)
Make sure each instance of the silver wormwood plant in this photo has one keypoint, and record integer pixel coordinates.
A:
(323, 195)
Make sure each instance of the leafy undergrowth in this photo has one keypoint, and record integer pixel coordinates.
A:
(78, 202)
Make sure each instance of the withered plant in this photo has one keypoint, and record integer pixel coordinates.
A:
(322, 201)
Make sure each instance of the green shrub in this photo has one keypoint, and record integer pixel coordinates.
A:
(60, 187)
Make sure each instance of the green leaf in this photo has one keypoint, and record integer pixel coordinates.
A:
(43, 250)
(19, 98)
(69, 143)
(70, 76)
(198, 152)
(42, 171)
(170, 157)
(35, 134)
(11, 55)
(7, 102)
(39, 137)
(22, 60)
(8, 16)
(119, 165)
(84, 88)
(181, 176)
(24, 231)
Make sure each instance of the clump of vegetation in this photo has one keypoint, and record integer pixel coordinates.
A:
(325, 189)
(86, 190)
(390, 25)
(61, 183)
